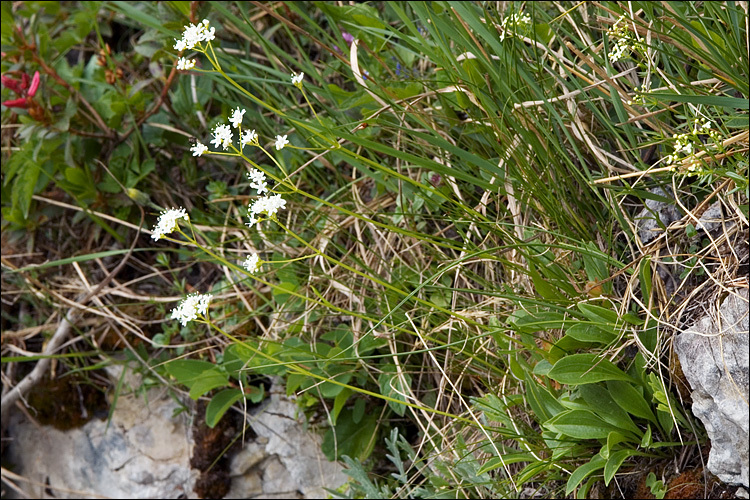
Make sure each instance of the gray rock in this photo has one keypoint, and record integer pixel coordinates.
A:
(714, 357)
(657, 215)
(292, 466)
(145, 453)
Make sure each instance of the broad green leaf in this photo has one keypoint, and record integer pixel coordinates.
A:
(339, 402)
(580, 424)
(602, 403)
(589, 332)
(544, 404)
(599, 314)
(583, 472)
(209, 380)
(630, 399)
(220, 404)
(613, 439)
(392, 385)
(347, 437)
(186, 371)
(614, 462)
(585, 369)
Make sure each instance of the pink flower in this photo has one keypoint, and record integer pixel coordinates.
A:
(21, 88)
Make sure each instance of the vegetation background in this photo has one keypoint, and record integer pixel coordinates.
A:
(474, 285)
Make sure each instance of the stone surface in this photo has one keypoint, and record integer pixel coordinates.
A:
(145, 453)
(291, 464)
(714, 357)
(657, 215)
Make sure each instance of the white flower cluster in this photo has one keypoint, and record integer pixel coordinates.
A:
(195, 34)
(257, 180)
(236, 117)
(168, 222)
(297, 79)
(184, 63)
(222, 136)
(281, 142)
(252, 263)
(513, 22)
(620, 35)
(191, 307)
(198, 149)
(685, 143)
(249, 137)
(267, 205)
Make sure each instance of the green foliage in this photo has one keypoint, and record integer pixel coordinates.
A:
(458, 249)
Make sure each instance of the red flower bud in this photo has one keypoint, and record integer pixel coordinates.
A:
(11, 84)
(16, 103)
(34, 84)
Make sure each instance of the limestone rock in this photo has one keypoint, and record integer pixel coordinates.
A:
(657, 215)
(714, 357)
(144, 453)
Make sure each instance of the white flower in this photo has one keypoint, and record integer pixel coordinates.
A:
(250, 138)
(252, 263)
(194, 34)
(191, 307)
(281, 142)
(267, 205)
(297, 79)
(251, 221)
(257, 180)
(168, 222)
(198, 149)
(236, 117)
(222, 136)
(184, 63)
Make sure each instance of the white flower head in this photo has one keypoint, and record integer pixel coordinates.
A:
(222, 136)
(168, 222)
(236, 117)
(195, 34)
(267, 205)
(257, 180)
(249, 137)
(252, 263)
(297, 79)
(281, 141)
(185, 64)
(198, 149)
(189, 309)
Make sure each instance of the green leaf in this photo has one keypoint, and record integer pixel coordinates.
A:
(186, 371)
(580, 424)
(614, 462)
(600, 315)
(347, 437)
(219, 405)
(392, 385)
(705, 100)
(209, 380)
(339, 402)
(543, 404)
(630, 399)
(589, 332)
(583, 472)
(602, 403)
(585, 369)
